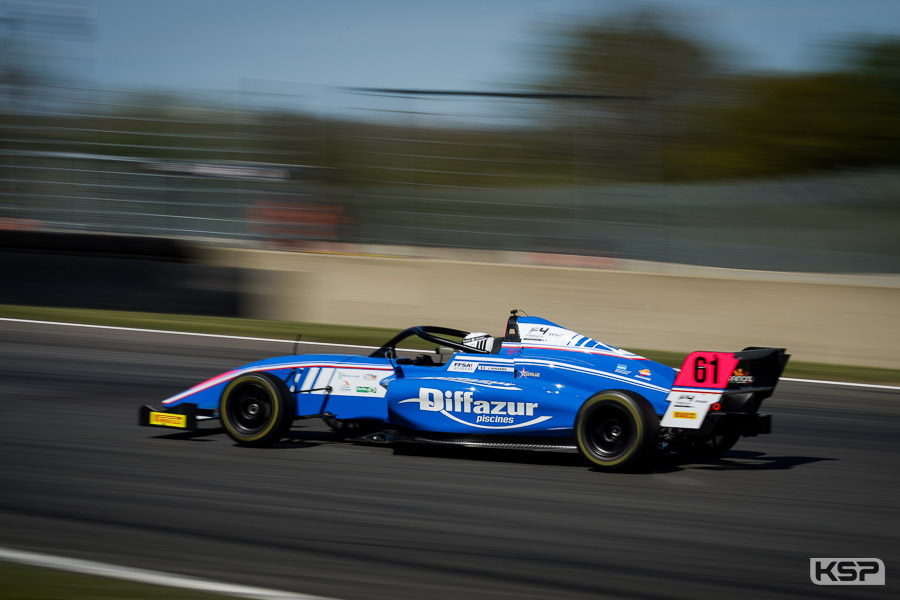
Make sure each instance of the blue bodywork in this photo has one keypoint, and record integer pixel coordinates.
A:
(533, 386)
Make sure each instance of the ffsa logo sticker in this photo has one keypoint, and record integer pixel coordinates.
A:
(463, 407)
(846, 571)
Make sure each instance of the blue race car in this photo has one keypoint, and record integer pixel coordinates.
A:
(540, 386)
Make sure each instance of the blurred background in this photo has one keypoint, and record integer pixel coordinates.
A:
(754, 136)
(666, 176)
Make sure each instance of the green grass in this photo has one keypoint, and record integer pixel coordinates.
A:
(370, 336)
(33, 583)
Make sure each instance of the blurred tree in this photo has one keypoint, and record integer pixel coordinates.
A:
(645, 54)
(878, 59)
(848, 117)
(648, 57)
(877, 65)
(690, 119)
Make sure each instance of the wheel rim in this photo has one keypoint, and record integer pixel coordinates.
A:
(250, 408)
(609, 431)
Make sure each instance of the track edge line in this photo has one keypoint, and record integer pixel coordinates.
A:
(147, 576)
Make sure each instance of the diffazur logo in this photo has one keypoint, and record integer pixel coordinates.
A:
(463, 407)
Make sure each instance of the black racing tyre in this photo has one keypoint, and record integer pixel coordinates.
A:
(257, 409)
(616, 430)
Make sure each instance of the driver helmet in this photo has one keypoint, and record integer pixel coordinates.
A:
(479, 341)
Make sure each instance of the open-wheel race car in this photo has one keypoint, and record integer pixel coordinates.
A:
(539, 386)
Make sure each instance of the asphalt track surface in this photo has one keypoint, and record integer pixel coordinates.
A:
(314, 515)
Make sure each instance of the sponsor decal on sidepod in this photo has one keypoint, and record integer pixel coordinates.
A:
(463, 406)
(459, 366)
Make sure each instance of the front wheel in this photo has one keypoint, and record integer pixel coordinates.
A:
(616, 429)
(257, 409)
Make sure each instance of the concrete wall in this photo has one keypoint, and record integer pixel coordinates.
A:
(820, 318)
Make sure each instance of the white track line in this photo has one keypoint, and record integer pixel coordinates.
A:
(209, 335)
(280, 341)
(865, 385)
(89, 567)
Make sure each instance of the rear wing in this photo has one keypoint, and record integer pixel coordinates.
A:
(757, 371)
(727, 382)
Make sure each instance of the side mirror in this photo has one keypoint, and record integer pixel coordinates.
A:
(391, 355)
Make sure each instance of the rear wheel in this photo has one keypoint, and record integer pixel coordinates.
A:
(257, 409)
(616, 429)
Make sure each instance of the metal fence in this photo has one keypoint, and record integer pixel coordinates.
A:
(465, 172)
